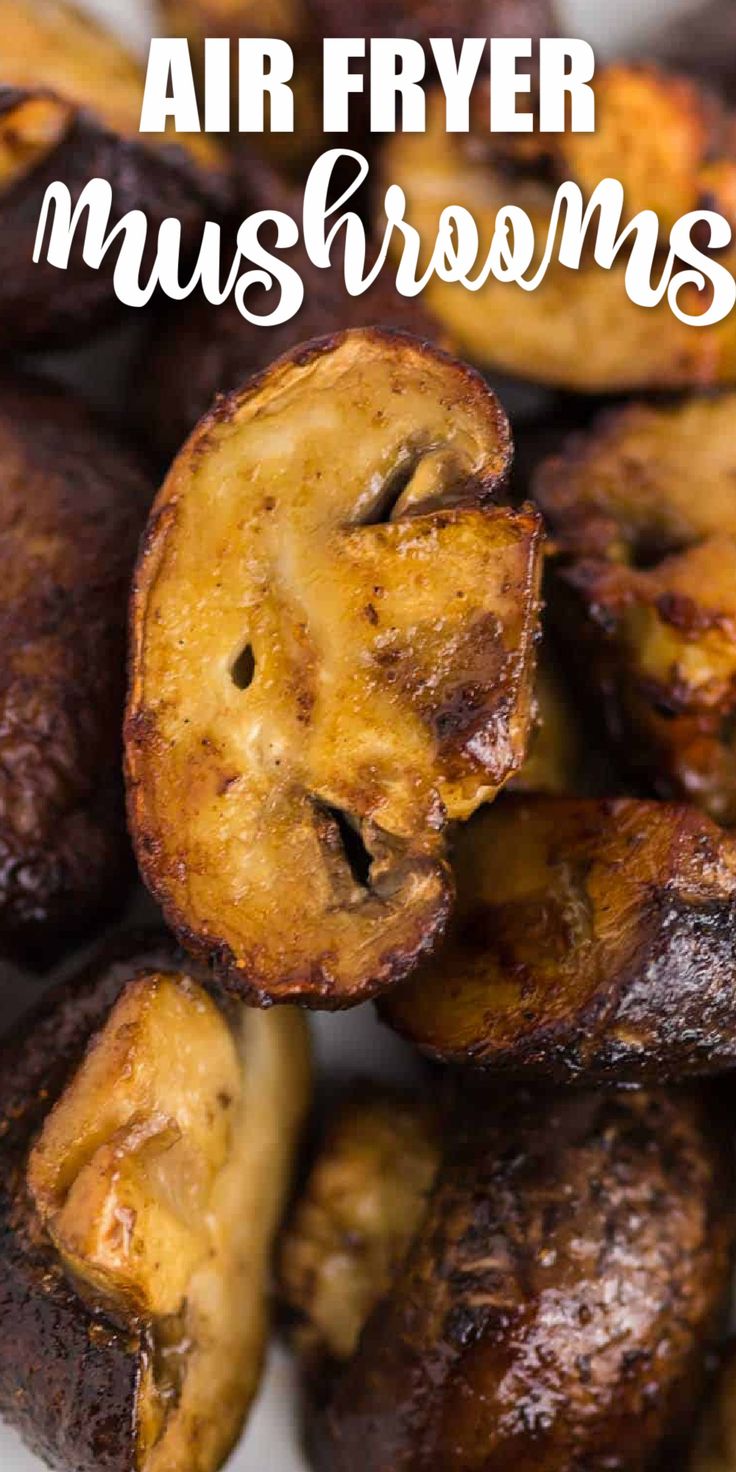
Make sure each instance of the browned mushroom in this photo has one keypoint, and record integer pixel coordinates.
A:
(333, 656)
(643, 515)
(551, 1300)
(135, 1236)
(73, 502)
(592, 939)
(70, 106)
(672, 147)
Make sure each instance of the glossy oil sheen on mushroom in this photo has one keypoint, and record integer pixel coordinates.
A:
(333, 655)
(554, 1303)
(136, 1237)
(592, 939)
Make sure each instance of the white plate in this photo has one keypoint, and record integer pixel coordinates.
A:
(354, 1044)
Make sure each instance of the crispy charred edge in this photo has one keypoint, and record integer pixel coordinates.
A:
(385, 1409)
(540, 443)
(311, 987)
(460, 722)
(228, 404)
(658, 993)
(55, 1351)
(487, 489)
(165, 181)
(478, 390)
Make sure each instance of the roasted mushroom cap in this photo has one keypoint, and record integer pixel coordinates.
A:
(673, 150)
(70, 105)
(643, 515)
(136, 1237)
(591, 939)
(555, 1307)
(333, 654)
(358, 1215)
(72, 504)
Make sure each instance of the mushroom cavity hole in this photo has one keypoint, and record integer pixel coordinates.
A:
(390, 493)
(243, 668)
(358, 858)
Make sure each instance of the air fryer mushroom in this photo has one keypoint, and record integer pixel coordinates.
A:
(146, 1142)
(643, 517)
(70, 106)
(73, 501)
(554, 1309)
(591, 940)
(670, 145)
(333, 656)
